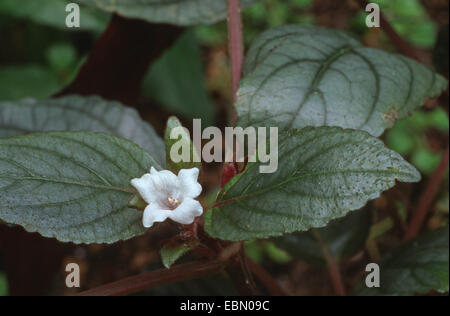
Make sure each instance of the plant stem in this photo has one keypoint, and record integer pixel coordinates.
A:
(250, 281)
(333, 267)
(335, 275)
(427, 198)
(241, 276)
(151, 279)
(235, 48)
(266, 279)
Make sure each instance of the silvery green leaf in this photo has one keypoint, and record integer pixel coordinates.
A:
(323, 173)
(73, 186)
(76, 113)
(180, 12)
(298, 76)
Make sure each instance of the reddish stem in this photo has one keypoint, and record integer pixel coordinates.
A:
(427, 198)
(235, 47)
(241, 276)
(250, 281)
(236, 55)
(266, 279)
(333, 267)
(151, 279)
(335, 275)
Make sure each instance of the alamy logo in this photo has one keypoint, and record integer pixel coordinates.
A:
(373, 18)
(73, 278)
(251, 144)
(73, 16)
(373, 278)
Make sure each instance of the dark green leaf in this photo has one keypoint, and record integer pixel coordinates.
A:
(323, 173)
(297, 76)
(61, 56)
(73, 186)
(176, 81)
(32, 81)
(3, 284)
(417, 267)
(343, 238)
(172, 251)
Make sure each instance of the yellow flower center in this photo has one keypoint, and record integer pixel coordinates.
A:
(173, 202)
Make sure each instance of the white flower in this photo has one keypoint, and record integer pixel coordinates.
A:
(170, 196)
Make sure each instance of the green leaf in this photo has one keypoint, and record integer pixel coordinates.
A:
(179, 86)
(73, 186)
(276, 254)
(61, 57)
(297, 76)
(3, 284)
(53, 13)
(30, 80)
(418, 267)
(175, 147)
(137, 203)
(174, 250)
(323, 173)
(77, 113)
(343, 238)
(180, 12)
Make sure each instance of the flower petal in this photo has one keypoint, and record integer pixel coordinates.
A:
(146, 188)
(186, 212)
(189, 182)
(153, 213)
(166, 182)
(157, 186)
